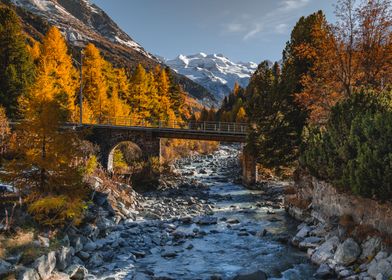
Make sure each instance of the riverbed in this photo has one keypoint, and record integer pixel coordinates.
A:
(213, 228)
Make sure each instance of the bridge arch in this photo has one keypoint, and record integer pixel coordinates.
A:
(109, 139)
(133, 150)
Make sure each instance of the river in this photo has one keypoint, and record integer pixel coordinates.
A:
(243, 229)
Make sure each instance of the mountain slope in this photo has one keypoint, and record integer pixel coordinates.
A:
(215, 72)
(81, 22)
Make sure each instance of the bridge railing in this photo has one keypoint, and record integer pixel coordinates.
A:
(223, 127)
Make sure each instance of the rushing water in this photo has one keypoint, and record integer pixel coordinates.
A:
(227, 249)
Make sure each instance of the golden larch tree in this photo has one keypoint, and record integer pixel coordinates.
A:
(95, 85)
(55, 61)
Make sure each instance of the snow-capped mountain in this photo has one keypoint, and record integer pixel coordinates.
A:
(215, 72)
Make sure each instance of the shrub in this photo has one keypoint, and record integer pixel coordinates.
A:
(354, 151)
(57, 210)
(91, 165)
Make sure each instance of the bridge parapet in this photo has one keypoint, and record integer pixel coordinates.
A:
(207, 126)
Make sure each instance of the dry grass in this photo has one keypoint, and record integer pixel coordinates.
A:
(23, 243)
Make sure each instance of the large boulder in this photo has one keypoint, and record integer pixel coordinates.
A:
(104, 225)
(381, 264)
(324, 272)
(347, 252)
(370, 248)
(325, 251)
(28, 274)
(76, 272)
(5, 268)
(45, 265)
(251, 275)
(64, 257)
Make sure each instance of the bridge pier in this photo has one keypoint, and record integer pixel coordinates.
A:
(249, 168)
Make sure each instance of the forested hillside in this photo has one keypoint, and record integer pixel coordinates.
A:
(326, 107)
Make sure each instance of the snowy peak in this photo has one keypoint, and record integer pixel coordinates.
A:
(215, 72)
(81, 22)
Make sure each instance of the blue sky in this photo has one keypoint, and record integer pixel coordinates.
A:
(242, 30)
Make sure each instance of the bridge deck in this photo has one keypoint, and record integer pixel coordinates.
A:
(210, 131)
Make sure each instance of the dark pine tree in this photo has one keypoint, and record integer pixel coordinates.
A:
(16, 63)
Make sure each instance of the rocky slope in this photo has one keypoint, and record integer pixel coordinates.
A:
(82, 22)
(215, 72)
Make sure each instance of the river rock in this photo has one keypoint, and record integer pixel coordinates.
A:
(64, 257)
(77, 243)
(104, 225)
(76, 272)
(324, 272)
(5, 268)
(325, 251)
(310, 242)
(347, 252)
(206, 220)
(304, 232)
(28, 274)
(90, 246)
(370, 248)
(60, 276)
(233, 221)
(96, 260)
(83, 255)
(251, 275)
(45, 265)
(381, 265)
(44, 241)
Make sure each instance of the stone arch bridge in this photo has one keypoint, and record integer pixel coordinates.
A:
(108, 134)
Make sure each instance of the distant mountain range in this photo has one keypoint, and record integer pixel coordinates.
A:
(215, 72)
(81, 22)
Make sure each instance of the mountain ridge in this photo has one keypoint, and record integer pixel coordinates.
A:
(215, 72)
(81, 22)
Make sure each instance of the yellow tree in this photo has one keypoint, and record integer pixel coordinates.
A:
(138, 92)
(46, 163)
(164, 111)
(95, 85)
(241, 116)
(5, 133)
(57, 63)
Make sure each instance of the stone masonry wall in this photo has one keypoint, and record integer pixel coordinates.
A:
(327, 202)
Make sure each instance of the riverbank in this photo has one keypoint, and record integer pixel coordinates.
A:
(200, 224)
(348, 237)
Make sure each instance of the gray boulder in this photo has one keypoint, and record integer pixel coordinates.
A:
(77, 243)
(347, 252)
(104, 225)
(45, 265)
(64, 257)
(207, 220)
(381, 265)
(310, 242)
(325, 251)
(304, 232)
(324, 272)
(370, 248)
(251, 275)
(76, 272)
(28, 274)
(96, 260)
(90, 246)
(5, 268)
